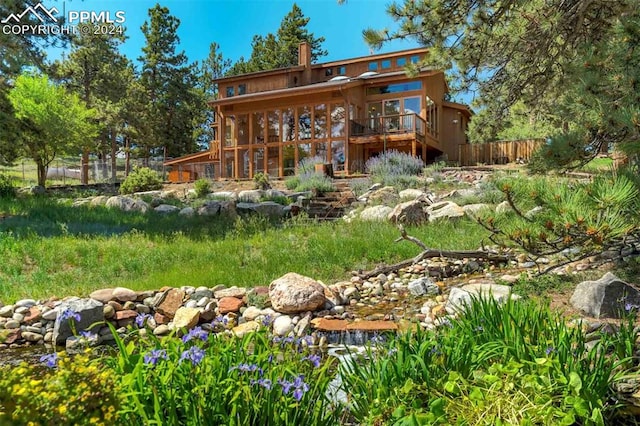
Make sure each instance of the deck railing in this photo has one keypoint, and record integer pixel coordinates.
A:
(388, 124)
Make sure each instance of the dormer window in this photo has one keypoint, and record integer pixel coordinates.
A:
(328, 72)
(230, 91)
(385, 64)
(342, 70)
(373, 66)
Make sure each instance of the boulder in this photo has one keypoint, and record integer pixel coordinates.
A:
(127, 204)
(375, 213)
(166, 208)
(410, 213)
(122, 294)
(100, 200)
(89, 310)
(503, 207)
(385, 195)
(229, 304)
(460, 297)
(210, 208)
(223, 195)
(267, 209)
(444, 210)
(234, 291)
(608, 297)
(103, 295)
(282, 325)
(187, 211)
(186, 318)
(411, 194)
(423, 286)
(246, 327)
(250, 196)
(293, 293)
(169, 302)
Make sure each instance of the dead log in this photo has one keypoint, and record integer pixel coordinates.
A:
(430, 253)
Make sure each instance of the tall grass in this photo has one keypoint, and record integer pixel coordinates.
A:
(48, 249)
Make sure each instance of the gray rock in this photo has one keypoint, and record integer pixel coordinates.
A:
(498, 291)
(375, 213)
(123, 294)
(294, 293)
(38, 190)
(90, 311)
(474, 209)
(100, 200)
(187, 211)
(267, 209)
(251, 313)
(423, 286)
(250, 196)
(49, 315)
(351, 293)
(223, 195)
(6, 311)
(162, 330)
(409, 213)
(387, 195)
(607, 297)
(237, 292)
(411, 194)
(26, 303)
(30, 336)
(210, 208)
(444, 210)
(127, 204)
(12, 324)
(166, 209)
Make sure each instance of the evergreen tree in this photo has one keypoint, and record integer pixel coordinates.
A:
(175, 107)
(280, 50)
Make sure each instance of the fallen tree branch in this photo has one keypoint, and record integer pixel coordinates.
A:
(429, 253)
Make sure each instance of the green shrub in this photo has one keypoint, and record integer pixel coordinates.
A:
(280, 199)
(292, 182)
(72, 391)
(7, 187)
(261, 181)
(202, 187)
(141, 179)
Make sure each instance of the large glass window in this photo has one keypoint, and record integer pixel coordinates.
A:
(337, 120)
(412, 105)
(394, 88)
(415, 59)
(391, 111)
(373, 66)
(229, 91)
(288, 125)
(304, 123)
(304, 151)
(385, 64)
(342, 70)
(320, 121)
(242, 89)
(258, 127)
(401, 62)
(321, 151)
(243, 129)
(273, 117)
(229, 131)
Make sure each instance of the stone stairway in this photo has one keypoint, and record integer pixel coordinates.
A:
(332, 205)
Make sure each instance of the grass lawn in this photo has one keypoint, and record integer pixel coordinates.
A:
(51, 249)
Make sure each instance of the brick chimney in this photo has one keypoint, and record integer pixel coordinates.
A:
(304, 59)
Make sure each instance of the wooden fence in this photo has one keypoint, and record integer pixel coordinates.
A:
(497, 152)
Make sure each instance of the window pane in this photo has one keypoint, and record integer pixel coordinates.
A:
(258, 160)
(385, 63)
(415, 59)
(304, 151)
(274, 126)
(243, 166)
(342, 70)
(373, 66)
(391, 110)
(401, 62)
(337, 155)
(320, 121)
(273, 161)
(304, 123)
(258, 127)
(243, 129)
(412, 105)
(229, 127)
(229, 162)
(321, 151)
(288, 125)
(242, 89)
(394, 88)
(229, 91)
(337, 120)
(289, 160)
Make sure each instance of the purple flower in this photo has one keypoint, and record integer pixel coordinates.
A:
(628, 307)
(195, 333)
(265, 383)
(549, 350)
(220, 321)
(298, 382)
(141, 319)
(50, 360)
(69, 314)
(247, 368)
(377, 339)
(298, 394)
(286, 386)
(193, 354)
(88, 335)
(314, 359)
(154, 356)
(270, 359)
(267, 320)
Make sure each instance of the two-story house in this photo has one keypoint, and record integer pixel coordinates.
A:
(344, 112)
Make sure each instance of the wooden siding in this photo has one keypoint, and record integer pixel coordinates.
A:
(497, 152)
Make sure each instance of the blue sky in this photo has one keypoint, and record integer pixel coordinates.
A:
(233, 23)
